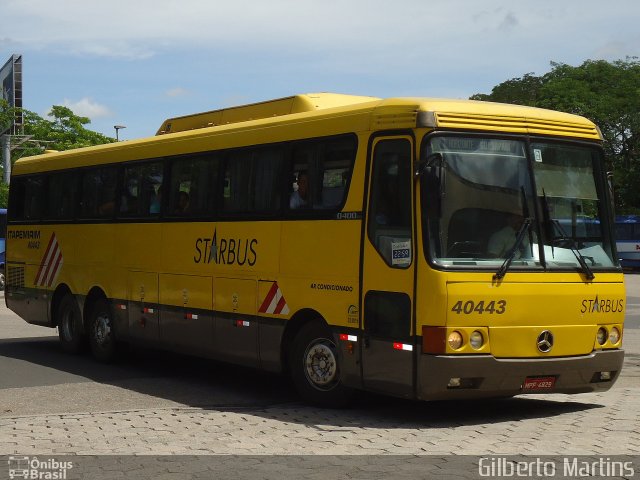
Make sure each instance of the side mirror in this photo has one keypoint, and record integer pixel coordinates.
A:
(433, 160)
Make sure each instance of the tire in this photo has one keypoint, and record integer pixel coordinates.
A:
(315, 368)
(70, 327)
(101, 332)
(2, 279)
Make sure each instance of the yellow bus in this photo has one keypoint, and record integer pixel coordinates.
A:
(424, 248)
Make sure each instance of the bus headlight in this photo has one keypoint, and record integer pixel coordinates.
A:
(614, 335)
(455, 340)
(601, 336)
(476, 340)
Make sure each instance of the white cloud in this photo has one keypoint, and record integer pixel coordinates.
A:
(86, 107)
(140, 29)
(617, 50)
(176, 92)
(196, 55)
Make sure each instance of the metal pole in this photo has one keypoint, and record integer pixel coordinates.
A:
(6, 157)
(117, 128)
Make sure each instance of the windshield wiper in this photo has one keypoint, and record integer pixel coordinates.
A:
(522, 231)
(570, 242)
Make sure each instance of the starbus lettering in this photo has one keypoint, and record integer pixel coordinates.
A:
(602, 305)
(226, 251)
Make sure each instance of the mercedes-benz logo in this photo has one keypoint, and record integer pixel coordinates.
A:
(545, 341)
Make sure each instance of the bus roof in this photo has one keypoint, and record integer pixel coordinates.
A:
(364, 113)
(271, 108)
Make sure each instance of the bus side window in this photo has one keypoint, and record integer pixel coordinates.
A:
(142, 194)
(98, 193)
(26, 198)
(61, 196)
(320, 173)
(193, 185)
(268, 166)
(17, 199)
(238, 176)
(302, 176)
(252, 179)
(337, 158)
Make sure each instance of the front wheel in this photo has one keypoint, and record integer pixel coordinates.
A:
(101, 332)
(315, 367)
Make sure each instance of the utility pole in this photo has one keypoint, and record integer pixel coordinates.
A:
(6, 157)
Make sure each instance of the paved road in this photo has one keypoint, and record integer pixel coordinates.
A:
(53, 403)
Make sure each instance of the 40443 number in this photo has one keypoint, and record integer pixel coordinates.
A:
(497, 307)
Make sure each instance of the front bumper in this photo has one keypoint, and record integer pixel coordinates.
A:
(487, 376)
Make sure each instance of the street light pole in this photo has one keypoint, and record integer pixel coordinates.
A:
(118, 127)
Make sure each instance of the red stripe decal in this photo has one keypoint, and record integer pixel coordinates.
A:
(49, 267)
(280, 306)
(55, 268)
(269, 298)
(44, 260)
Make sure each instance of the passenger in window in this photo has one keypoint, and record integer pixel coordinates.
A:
(156, 202)
(300, 198)
(129, 201)
(183, 203)
(106, 208)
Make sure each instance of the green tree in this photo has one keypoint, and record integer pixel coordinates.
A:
(7, 114)
(63, 130)
(608, 93)
(522, 91)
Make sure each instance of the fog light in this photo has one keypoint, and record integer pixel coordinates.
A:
(454, 383)
(614, 335)
(476, 340)
(605, 375)
(455, 340)
(601, 336)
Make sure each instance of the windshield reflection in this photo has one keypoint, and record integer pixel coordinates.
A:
(478, 197)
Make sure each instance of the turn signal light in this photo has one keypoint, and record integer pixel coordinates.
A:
(455, 340)
(614, 335)
(476, 340)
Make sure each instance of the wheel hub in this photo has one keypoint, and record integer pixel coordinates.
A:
(103, 329)
(321, 365)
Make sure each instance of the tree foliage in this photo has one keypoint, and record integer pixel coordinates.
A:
(62, 130)
(7, 114)
(608, 93)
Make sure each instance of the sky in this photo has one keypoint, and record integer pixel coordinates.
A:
(138, 62)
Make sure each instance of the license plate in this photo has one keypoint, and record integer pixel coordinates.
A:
(536, 384)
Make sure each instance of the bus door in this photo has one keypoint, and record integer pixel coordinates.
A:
(388, 270)
(143, 306)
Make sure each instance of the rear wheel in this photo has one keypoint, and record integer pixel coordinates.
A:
(315, 367)
(101, 332)
(70, 327)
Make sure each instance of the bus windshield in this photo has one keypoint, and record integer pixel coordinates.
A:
(478, 199)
